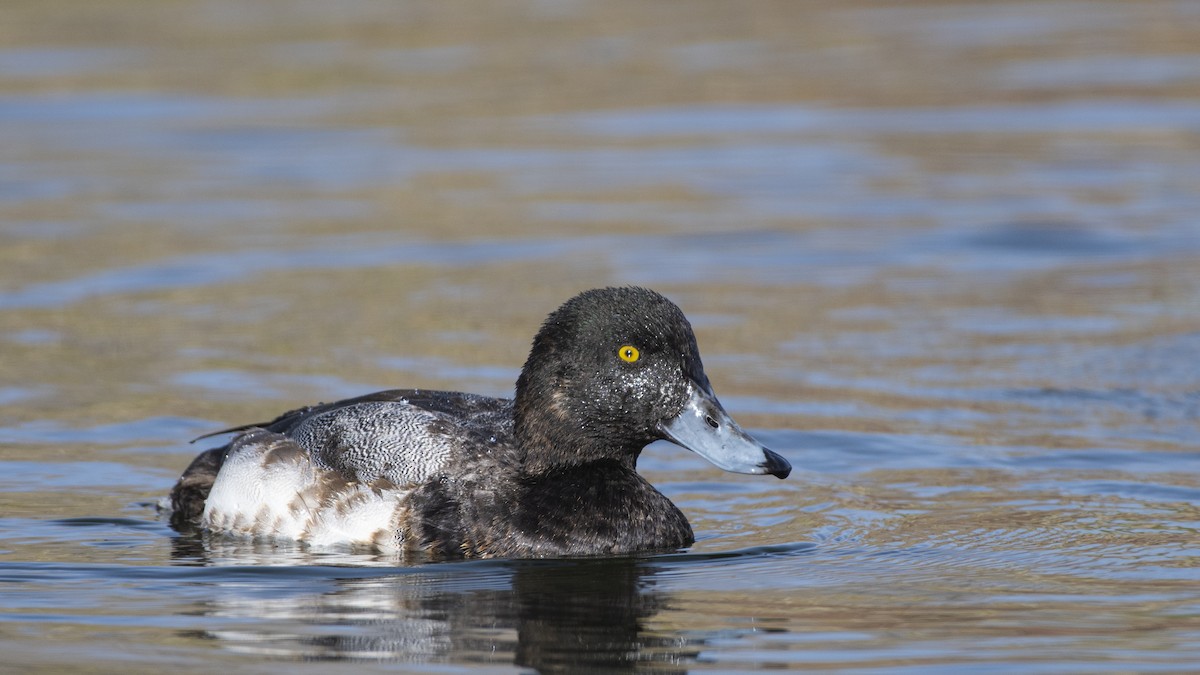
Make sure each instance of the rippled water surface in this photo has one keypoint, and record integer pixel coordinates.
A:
(942, 255)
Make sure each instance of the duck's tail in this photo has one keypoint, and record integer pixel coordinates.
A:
(191, 491)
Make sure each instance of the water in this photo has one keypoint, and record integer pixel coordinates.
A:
(942, 257)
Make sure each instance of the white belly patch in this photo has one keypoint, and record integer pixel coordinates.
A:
(269, 487)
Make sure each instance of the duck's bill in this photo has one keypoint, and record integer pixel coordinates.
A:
(707, 430)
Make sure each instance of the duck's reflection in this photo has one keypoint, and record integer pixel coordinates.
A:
(548, 615)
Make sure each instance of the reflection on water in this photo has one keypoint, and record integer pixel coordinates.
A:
(553, 616)
(550, 616)
(940, 255)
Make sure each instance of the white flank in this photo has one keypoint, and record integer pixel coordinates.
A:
(287, 496)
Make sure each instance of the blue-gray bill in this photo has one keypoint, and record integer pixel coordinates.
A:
(707, 430)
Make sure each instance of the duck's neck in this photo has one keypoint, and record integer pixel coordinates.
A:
(551, 436)
(554, 428)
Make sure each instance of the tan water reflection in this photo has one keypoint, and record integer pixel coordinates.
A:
(943, 255)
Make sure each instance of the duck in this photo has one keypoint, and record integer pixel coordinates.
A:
(551, 472)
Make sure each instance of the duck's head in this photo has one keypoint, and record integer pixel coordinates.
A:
(614, 369)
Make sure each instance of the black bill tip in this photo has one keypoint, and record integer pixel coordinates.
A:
(776, 465)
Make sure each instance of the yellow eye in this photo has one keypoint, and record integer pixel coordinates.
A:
(629, 353)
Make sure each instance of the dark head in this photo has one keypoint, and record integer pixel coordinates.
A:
(614, 369)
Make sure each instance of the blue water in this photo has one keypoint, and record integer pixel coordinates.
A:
(941, 258)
